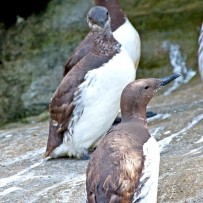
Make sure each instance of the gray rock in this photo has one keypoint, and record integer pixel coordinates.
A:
(34, 51)
(178, 127)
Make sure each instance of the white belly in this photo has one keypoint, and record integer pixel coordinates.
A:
(149, 180)
(128, 36)
(98, 104)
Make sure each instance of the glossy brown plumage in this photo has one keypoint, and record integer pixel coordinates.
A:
(117, 19)
(62, 105)
(116, 166)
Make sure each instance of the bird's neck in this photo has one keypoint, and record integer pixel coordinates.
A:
(105, 43)
(137, 114)
(116, 13)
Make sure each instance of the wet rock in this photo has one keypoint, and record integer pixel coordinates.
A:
(178, 127)
(32, 56)
(34, 50)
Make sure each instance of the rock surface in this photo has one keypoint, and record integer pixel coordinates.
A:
(26, 177)
(34, 51)
(32, 56)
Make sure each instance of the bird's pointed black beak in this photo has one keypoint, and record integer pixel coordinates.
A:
(166, 80)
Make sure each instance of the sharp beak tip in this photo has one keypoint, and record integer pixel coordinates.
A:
(176, 75)
(166, 80)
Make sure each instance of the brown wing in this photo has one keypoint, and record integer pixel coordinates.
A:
(114, 177)
(82, 50)
(61, 105)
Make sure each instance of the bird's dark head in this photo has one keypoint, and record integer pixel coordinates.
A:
(98, 18)
(137, 94)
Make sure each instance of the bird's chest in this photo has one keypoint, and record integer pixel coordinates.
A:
(109, 80)
(129, 38)
(98, 98)
(148, 184)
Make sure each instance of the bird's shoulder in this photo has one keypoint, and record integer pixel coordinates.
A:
(116, 165)
(80, 51)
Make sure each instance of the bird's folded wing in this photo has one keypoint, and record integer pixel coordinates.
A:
(67, 97)
(81, 50)
(117, 181)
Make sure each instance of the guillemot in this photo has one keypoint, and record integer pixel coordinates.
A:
(86, 102)
(123, 32)
(200, 52)
(125, 165)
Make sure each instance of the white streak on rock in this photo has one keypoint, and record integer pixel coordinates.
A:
(179, 66)
(200, 140)
(200, 52)
(28, 155)
(71, 179)
(195, 151)
(166, 141)
(18, 176)
(9, 190)
(158, 117)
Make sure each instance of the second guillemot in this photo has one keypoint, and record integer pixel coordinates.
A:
(87, 101)
(123, 31)
(200, 52)
(125, 165)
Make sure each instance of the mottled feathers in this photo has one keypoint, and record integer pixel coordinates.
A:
(124, 157)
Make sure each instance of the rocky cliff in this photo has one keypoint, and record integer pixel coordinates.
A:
(34, 50)
(26, 176)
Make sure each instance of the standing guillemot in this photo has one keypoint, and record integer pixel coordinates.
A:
(86, 102)
(200, 52)
(123, 32)
(125, 165)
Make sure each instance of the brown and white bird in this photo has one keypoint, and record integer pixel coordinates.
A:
(123, 32)
(124, 168)
(87, 101)
(200, 52)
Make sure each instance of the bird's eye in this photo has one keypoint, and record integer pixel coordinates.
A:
(146, 87)
(89, 18)
(107, 13)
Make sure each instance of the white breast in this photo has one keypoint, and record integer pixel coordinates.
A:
(149, 180)
(128, 36)
(96, 104)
